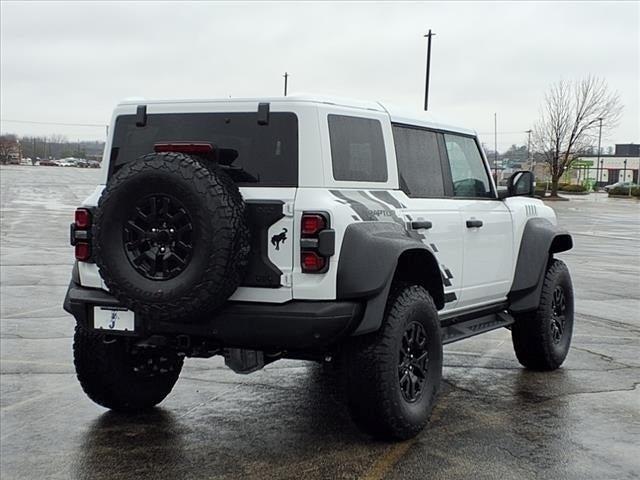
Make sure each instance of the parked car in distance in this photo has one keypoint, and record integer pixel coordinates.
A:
(619, 184)
(49, 163)
(66, 162)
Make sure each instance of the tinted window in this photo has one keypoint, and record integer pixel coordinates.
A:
(256, 155)
(419, 167)
(357, 149)
(468, 173)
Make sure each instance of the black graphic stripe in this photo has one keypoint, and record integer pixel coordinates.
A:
(387, 198)
(450, 297)
(433, 247)
(361, 210)
(412, 233)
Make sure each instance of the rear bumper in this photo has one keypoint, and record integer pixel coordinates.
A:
(295, 325)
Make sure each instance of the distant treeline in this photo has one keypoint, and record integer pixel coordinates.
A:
(53, 146)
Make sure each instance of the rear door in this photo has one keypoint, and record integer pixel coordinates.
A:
(420, 175)
(261, 157)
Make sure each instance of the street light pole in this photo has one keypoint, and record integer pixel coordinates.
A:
(599, 143)
(529, 159)
(426, 85)
(495, 145)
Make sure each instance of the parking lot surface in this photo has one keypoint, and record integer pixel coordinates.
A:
(493, 419)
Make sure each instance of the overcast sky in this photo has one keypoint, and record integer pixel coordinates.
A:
(72, 62)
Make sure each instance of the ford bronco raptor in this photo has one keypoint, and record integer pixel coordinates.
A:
(306, 228)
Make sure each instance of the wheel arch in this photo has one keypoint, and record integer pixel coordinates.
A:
(541, 239)
(373, 255)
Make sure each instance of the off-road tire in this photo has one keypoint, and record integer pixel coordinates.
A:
(374, 393)
(533, 332)
(220, 246)
(106, 371)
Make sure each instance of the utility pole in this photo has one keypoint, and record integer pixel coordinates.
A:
(495, 145)
(529, 159)
(599, 142)
(426, 86)
(286, 77)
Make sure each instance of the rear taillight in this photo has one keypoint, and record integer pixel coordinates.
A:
(83, 218)
(317, 242)
(313, 223)
(83, 251)
(81, 234)
(312, 262)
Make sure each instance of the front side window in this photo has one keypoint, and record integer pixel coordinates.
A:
(419, 167)
(357, 149)
(468, 173)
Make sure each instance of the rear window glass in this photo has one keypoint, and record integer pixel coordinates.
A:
(256, 155)
(357, 149)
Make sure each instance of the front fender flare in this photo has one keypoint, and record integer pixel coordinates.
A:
(540, 240)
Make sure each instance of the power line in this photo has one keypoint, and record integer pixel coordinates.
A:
(502, 133)
(101, 125)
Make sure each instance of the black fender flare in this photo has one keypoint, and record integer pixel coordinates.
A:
(540, 240)
(368, 263)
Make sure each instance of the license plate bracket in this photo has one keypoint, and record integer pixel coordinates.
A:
(113, 319)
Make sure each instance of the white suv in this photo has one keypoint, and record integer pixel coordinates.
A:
(308, 228)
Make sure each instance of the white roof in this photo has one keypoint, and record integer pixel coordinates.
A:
(399, 115)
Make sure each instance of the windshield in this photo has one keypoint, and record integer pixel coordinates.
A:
(254, 155)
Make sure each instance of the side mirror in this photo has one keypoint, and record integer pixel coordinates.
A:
(521, 184)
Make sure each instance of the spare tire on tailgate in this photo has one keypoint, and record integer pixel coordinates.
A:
(171, 239)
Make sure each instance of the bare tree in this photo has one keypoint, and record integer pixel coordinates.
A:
(570, 120)
(8, 147)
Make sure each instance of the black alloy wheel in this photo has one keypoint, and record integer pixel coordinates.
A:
(157, 237)
(558, 317)
(542, 337)
(412, 362)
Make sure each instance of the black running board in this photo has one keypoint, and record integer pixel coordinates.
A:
(469, 328)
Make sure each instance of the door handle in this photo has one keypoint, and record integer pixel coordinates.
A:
(421, 224)
(474, 223)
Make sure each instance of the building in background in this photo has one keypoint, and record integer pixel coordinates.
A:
(621, 166)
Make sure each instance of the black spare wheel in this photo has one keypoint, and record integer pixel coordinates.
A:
(171, 238)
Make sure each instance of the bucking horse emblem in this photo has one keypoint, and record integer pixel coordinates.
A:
(279, 238)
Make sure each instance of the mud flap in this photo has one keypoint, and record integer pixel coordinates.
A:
(244, 361)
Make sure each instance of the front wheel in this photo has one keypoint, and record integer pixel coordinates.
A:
(394, 374)
(119, 376)
(541, 339)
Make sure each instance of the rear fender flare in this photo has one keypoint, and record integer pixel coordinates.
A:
(373, 254)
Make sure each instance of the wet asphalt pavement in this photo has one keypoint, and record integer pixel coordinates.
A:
(493, 419)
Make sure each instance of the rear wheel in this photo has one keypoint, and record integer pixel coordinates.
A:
(394, 374)
(541, 339)
(120, 376)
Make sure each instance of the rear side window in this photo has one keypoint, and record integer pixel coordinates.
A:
(468, 173)
(419, 167)
(255, 155)
(357, 149)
